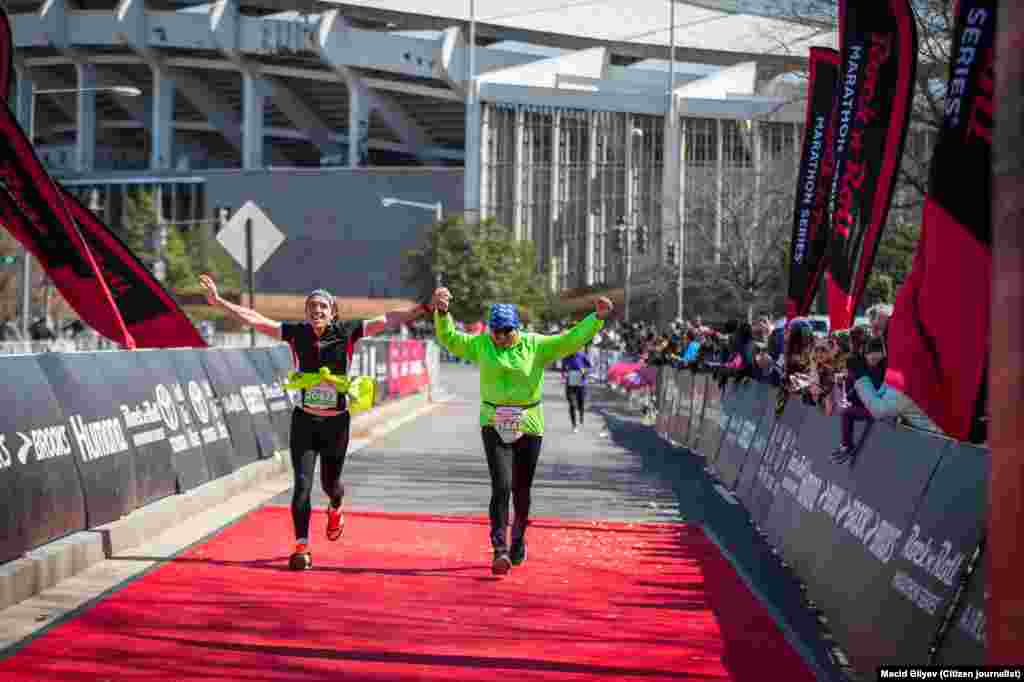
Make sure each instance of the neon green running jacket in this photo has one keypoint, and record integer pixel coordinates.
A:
(514, 375)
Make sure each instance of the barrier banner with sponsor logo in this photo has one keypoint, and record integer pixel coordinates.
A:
(39, 483)
(188, 457)
(700, 382)
(780, 454)
(666, 379)
(873, 523)
(250, 388)
(284, 364)
(745, 411)
(878, 41)
(148, 414)
(407, 367)
(810, 217)
(756, 431)
(727, 404)
(225, 398)
(679, 419)
(713, 421)
(95, 431)
(279, 402)
(935, 549)
(965, 641)
(209, 420)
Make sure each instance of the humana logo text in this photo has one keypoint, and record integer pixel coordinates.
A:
(97, 439)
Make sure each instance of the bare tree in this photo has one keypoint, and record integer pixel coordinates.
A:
(739, 231)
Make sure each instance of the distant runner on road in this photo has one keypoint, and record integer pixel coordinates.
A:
(321, 424)
(512, 365)
(574, 369)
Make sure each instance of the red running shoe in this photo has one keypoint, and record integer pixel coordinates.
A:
(301, 559)
(335, 523)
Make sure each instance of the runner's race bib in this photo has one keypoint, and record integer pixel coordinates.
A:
(575, 377)
(324, 396)
(508, 423)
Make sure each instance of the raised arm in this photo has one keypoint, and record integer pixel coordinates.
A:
(458, 343)
(246, 316)
(558, 346)
(394, 319)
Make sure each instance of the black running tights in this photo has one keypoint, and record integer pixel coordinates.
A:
(312, 435)
(512, 468)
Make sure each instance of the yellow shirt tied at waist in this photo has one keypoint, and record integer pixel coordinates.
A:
(360, 390)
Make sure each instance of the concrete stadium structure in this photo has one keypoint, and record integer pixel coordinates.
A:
(316, 110)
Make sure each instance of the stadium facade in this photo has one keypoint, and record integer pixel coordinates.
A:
(317, 110)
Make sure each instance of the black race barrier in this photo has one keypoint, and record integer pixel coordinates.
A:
(102, 450)
(937, 545)
(773, 472)
(884, 543)
(250, 387)
(756, 431)
(746, 408)
(964, 643)
(188, 456)
(279, 402)
(683, 408)
(660, 400)
(888, 480)
(700, 383)
(144, 402)
(228, 407)
(42, 497)
(209, 422)
(715, 420)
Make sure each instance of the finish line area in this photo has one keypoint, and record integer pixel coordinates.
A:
(410, 597)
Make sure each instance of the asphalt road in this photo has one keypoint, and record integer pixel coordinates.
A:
(435, 464)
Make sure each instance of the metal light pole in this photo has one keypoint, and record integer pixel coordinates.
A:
(627, 229)
(627, 224)
(25, 283)
(674, 125)
(437, 208)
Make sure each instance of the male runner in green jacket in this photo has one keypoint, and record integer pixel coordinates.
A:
(512, 365)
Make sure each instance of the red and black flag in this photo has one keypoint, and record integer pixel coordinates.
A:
(939, 332)
(807, 249)
(874, 97)
(99, 277)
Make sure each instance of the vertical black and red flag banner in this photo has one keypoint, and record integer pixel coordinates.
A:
(875, 92)
(807, 251)
(99, 277)
(939, 332)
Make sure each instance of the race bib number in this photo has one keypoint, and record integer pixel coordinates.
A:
(575, 377)
(324, 396)
(508, 423)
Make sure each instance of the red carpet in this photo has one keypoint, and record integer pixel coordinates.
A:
(404, 597)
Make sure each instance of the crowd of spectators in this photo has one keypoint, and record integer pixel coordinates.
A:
(840, 372)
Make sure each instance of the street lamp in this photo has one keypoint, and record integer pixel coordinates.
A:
(26, 264)
(437, 208)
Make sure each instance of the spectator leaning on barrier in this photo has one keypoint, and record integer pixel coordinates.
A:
(887, 402)
(859, 365)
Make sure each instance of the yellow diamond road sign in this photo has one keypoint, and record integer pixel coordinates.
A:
(265, 236)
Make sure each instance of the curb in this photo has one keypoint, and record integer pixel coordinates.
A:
(45, 566)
